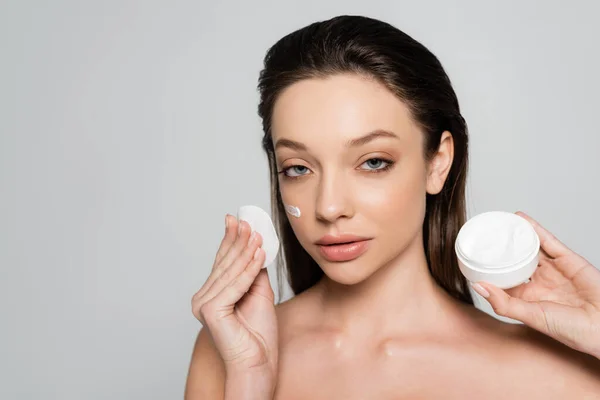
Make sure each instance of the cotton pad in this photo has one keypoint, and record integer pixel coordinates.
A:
(260, 221)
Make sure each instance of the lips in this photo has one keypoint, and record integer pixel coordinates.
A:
(342, 248)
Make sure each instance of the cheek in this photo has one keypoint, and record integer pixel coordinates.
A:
(399, 202)
(293, 195)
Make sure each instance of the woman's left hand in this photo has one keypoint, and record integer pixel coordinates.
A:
(562, 299)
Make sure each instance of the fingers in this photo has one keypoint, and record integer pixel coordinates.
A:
(213, 308)
(237, 288)
(239, 256)
(243, 235)
(231, 230)
(240, 233)
(236, 268)
(262, 285)
(549, 243)
(512, 307)
(530, 313)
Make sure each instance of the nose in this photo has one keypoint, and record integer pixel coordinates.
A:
(333, 200)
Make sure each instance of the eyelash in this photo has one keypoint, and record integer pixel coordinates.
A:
(389, 164)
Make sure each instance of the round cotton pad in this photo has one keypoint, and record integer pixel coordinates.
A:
(260, 221)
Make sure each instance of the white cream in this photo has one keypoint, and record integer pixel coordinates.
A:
(499, 247)
(497, 240)
(295, 211)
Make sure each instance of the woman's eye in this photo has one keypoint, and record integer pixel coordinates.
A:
(295, 171)
(375, 164)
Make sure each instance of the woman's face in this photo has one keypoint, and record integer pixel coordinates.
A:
(351, 160)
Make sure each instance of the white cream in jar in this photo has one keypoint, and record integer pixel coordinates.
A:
(498, 247)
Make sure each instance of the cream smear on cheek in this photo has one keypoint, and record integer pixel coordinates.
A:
(292, 210)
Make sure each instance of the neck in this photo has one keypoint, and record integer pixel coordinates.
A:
(399, 298)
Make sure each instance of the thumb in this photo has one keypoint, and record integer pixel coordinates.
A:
(262, 285)
(505, 305)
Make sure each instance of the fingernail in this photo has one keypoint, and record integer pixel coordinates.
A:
(253, 237)
(226, 221)
(480, 289)
(256, 253)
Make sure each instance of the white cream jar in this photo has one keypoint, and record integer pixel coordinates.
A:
(498, 247)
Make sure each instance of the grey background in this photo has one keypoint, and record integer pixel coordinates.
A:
(128, 129)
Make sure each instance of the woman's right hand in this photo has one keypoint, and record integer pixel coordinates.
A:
(236, 303)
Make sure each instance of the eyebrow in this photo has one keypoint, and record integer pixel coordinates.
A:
(361, 141)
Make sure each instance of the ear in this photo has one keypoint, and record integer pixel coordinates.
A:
(439, 166)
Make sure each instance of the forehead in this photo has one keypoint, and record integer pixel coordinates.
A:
(339, 107)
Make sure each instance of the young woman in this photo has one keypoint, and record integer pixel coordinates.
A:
(365, 139)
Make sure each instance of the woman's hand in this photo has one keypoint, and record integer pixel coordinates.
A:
(561, 300)
(236, 304)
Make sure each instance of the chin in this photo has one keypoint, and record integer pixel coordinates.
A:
(347, 273)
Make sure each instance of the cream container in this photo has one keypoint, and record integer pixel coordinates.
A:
(498, 247)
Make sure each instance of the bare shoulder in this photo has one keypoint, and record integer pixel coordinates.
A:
(576, 369)
(206, 375)
(297, 315)
(539, 359)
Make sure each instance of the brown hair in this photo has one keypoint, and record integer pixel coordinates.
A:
(374, 49)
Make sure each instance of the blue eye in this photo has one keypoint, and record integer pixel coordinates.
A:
(372, 165)
(295, 171)
(376, 164)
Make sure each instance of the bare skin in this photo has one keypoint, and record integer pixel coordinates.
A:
(472, 355)
(378, 326)
(457, 352)
(479, 357)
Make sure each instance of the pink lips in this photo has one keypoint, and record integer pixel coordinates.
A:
(342, 248)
